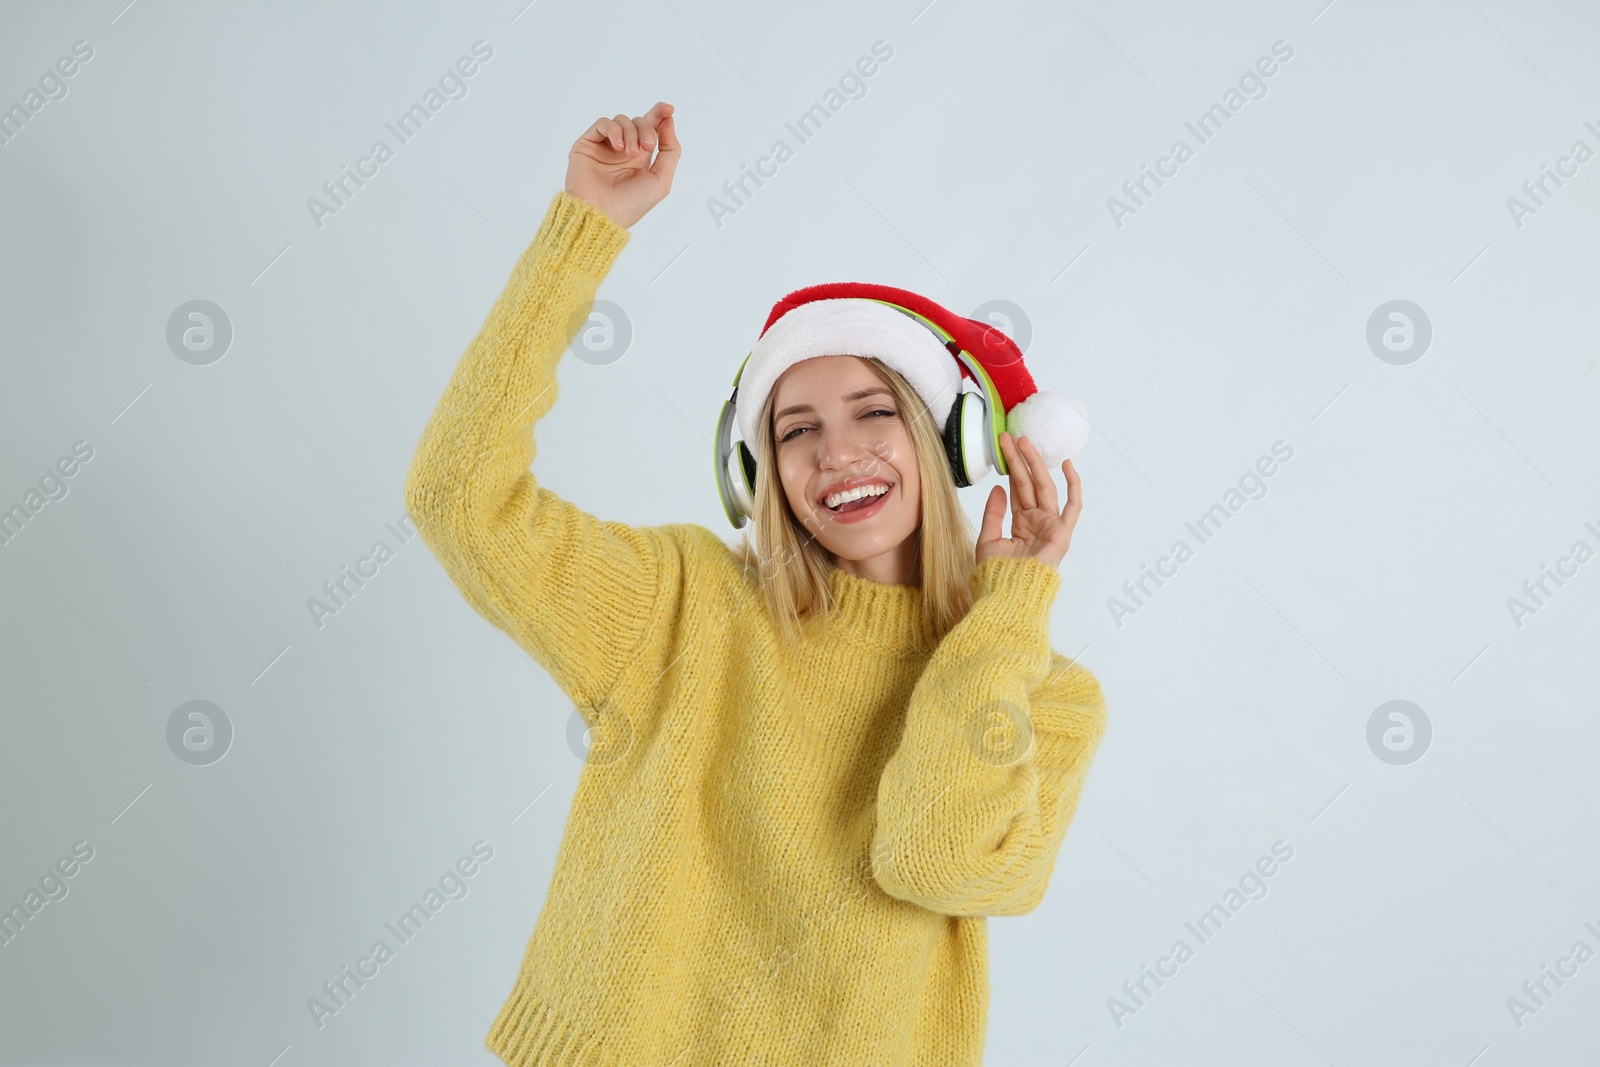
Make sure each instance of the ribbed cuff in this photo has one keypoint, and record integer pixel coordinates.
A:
(1027, 580)
(579, 235)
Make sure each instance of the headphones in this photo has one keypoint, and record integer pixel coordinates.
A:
(971, 433)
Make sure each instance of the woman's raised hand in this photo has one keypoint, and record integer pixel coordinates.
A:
(610, 166)
(1037, 528)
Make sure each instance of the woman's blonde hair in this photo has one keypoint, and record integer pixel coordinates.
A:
(792, 567)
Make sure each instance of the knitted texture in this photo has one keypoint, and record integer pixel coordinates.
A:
(777, 853)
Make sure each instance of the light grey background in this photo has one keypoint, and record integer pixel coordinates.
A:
(1228, 313)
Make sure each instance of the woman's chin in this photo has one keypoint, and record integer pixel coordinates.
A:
(865, 541)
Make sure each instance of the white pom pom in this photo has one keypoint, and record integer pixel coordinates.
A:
(1052, 422)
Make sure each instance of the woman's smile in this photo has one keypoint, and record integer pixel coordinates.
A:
(861, 509)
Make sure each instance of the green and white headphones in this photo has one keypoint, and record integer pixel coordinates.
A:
(971, 434)
(928, 345)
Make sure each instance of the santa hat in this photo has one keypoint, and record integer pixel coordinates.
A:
(849, 318)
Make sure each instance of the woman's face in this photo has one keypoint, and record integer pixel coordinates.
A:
(836, 427)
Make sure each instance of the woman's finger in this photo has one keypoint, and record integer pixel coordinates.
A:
(630, 133)
(1021, 480)
(1044, 485)
(647, 124)
(1074, 492)
(667, 148)
(601, 133)
(994, 512)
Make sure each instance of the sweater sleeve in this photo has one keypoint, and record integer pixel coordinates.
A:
(974, 804)
(576, 592)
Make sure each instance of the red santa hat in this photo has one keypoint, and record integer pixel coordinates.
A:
(852, 318)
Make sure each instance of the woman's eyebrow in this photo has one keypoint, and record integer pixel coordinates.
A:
(857, 395)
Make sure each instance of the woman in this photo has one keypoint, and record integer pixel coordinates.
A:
(817, 763)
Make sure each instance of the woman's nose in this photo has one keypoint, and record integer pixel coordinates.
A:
(844, 448)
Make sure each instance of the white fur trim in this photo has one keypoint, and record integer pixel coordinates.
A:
(855, 327)
(1052, 422)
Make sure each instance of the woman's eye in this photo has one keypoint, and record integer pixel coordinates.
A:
(802, 429)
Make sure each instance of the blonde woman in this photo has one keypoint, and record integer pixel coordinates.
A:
(820, 760)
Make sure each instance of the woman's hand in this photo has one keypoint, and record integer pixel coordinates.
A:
(1037, 529)
(610, 167)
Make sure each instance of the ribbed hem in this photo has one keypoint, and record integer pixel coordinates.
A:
(531, 1031)
(584, 237)
(1028, 580)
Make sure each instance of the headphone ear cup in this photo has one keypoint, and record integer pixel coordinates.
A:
(742, 479)
(963, 439)
(747, 459)
(952, 443)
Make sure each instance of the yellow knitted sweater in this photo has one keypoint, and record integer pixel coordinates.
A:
(777, 853)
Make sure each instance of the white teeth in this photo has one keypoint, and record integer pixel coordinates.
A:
(835, 499)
